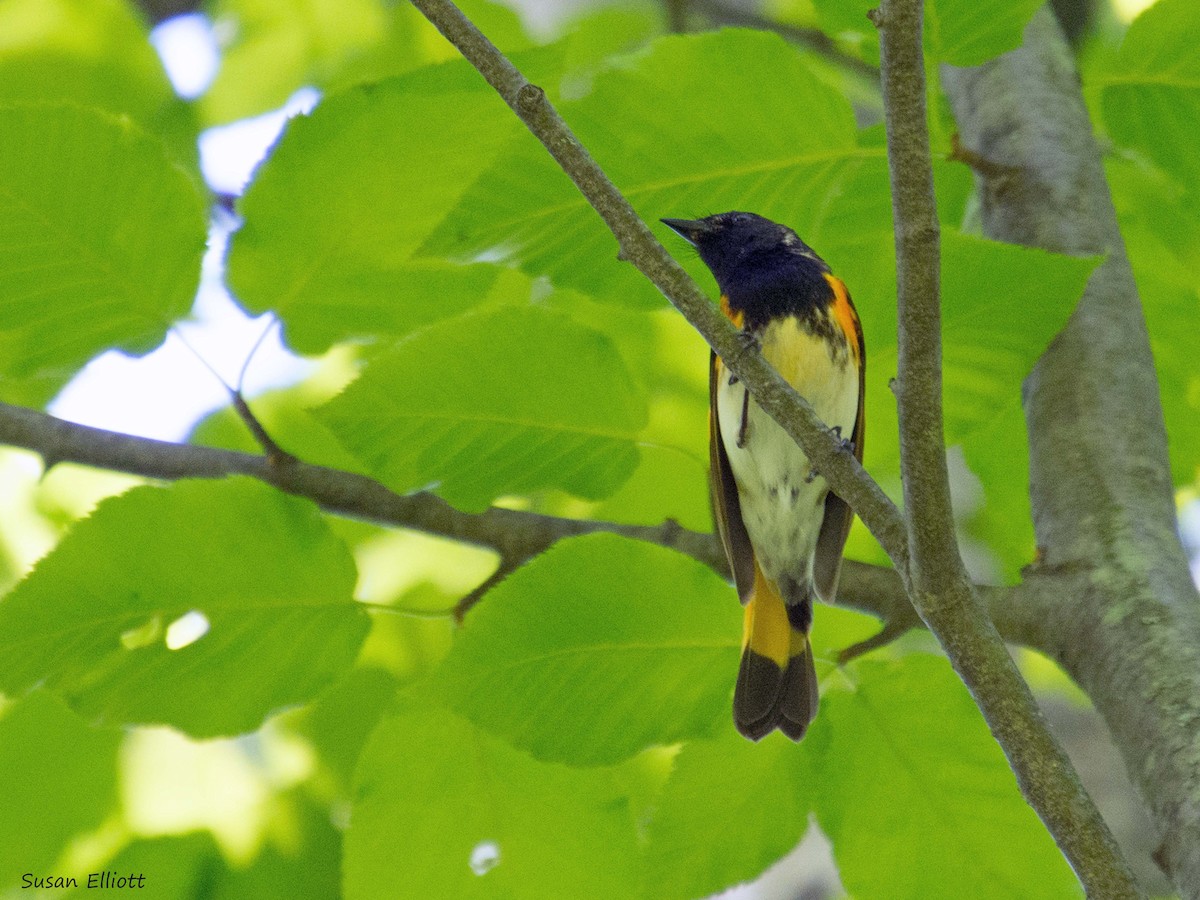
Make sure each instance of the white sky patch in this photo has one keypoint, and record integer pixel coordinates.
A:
(188, 49)
(162, 394)
(229, 153)
(1189, 533)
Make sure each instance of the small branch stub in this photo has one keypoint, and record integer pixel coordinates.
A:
(530, 98)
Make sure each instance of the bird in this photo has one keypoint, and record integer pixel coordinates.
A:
(783, 529)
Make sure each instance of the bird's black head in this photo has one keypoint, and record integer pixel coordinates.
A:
(760, 265)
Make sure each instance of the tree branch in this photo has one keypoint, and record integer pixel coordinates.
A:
(1021, 613)
(971, 641)
(515, 535)
(941, 591)
(812, 39)
(638, 246)
(1100, 480)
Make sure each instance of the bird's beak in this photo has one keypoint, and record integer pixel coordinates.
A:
(691, 230)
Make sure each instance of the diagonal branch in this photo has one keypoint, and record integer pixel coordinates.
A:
(638, 245)
(941, 591)
(955, 616)
(1100, 478)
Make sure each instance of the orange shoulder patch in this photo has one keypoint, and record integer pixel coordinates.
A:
(845, 314)
(735, 317)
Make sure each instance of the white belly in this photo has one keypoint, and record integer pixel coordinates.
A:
(782, 498)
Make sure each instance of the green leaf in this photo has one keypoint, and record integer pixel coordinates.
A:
(301, 856)
(80, 270)
(688, 144)
(443, 810)
(959, 32)
(994, 328)
(921, 802)
(93, 620)
(998, 455)
(671, 359)
(730, 809)
(332, 217)
(970, 32)
(1159, 224)
(1151, 93)
(183, 866)
(57, 779)
(597, 649)
(496, 403)
(339, 722)
(276, 47)
(95, 55)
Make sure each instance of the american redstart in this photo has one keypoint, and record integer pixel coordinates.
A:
(783, 529)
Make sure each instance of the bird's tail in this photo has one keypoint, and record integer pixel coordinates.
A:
(777, 681)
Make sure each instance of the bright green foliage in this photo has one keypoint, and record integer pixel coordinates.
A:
(94, 54)
(572, 735)
(1001, 305)
(597, 649)
(80, 273)
(276, 47)
(959, 32)
(57, 778)
(1149, 97)
(1152, 93)
(93, 619)
(729, 810)
(333, 218)
(444, 810)
(716, 151)
(920, 782)
(465, 405)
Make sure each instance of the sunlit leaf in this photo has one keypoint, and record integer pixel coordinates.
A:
(95, 55)
(597, 649)
(729, 810)
(918, 781)
(498, 403)
(687, 144)
(1151, 94)
(101, 239)
(444, 810)
(53, 765)
(274, 47)
(258, 570)
(959, 32)
(332, 217)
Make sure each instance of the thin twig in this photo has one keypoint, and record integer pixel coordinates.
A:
(467, 603)
(941, 592)
(812, 39)
(276, 455)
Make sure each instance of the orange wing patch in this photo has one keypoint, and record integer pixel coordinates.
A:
(847, 318)
(737, 318)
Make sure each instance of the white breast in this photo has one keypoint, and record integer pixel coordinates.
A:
(782, 498)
